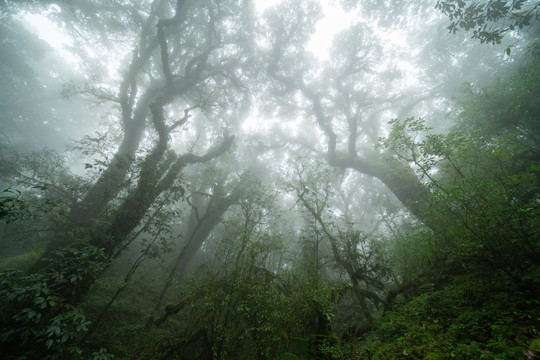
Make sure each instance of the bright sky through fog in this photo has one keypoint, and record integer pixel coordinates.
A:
(54, 36)
(335, 19)
(262, 5)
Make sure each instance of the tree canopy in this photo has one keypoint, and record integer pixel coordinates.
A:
(195, 179)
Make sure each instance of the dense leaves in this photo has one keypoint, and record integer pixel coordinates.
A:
(490, 20)
(241, 197)
(39, 320)
(464, 319)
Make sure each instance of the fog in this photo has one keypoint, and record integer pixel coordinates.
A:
(294, 179)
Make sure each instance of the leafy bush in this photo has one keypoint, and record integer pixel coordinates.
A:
(466, 319)
(38, 317)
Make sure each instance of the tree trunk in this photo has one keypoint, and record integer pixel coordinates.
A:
(198, 231)
(397, 177)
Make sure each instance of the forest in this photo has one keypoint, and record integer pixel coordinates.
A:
(280, 179)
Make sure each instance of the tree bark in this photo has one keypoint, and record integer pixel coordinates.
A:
(198, 231)
(398, 177)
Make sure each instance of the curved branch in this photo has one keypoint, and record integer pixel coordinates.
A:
(166, 67)
(132, 210)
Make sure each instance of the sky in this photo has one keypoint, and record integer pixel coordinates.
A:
(335, 19)
(51, 33)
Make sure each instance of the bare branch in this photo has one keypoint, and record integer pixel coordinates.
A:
(183, 120)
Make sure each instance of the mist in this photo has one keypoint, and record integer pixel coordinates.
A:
(294, 179)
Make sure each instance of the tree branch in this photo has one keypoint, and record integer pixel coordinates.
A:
(164, 53)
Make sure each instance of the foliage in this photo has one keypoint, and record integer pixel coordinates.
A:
(41, 189)
(12, 208)
(483, 195)
(508, 106)
(304, 274)
(480, 256)
(39, 320)
(490, 20)
(251, 317)
(465, 319)
(260, 315)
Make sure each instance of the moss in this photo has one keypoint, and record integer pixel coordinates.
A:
(21, 262)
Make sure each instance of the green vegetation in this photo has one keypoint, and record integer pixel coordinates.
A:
(489, 20)
(365, 239)
(469, 318)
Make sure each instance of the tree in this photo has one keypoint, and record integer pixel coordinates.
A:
(276, 255)
(190, 57)
(362, 256)
(292, 76)
(162, 76)
(29, 108)
(490, 20)
(349, 107)
(203, 218)
(482, 179)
